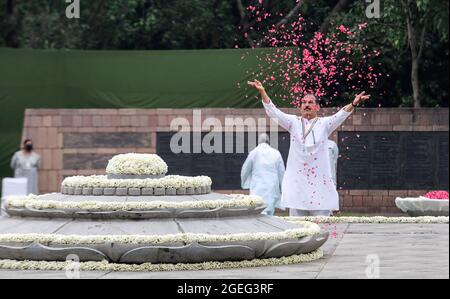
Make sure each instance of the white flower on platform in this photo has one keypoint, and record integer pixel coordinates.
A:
(171, 181)
(137, 164)
(39, 203)
(305, 229)
(370, 219)
(148, 267)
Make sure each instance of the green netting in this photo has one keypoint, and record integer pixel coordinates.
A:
(118, 79)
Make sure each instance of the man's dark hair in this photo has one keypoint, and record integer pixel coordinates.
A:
(27, 140)
(313, 96)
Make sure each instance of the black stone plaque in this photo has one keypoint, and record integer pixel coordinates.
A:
(86, 161)
(223, 168)
(107, 140)
(393, 160)
(442, 169)
(368, 160)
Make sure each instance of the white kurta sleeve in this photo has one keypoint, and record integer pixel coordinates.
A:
(246, 172)
(333, 122)
(283, 119)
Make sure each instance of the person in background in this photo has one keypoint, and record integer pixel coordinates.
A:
(25, 164)
(333, 150)
(263, 173)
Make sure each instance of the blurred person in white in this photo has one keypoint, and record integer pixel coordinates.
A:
(26, 164)
(333, 151)
(263, 173)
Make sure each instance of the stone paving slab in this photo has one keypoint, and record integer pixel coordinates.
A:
(403, 251)
(30, 225)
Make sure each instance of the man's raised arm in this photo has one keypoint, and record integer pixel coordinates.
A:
(283, 119)
(338, 119)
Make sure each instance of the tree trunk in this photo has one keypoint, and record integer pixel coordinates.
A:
(244, 23)
(415, 63)
(415, 81)
(416, 47)
(11, 36)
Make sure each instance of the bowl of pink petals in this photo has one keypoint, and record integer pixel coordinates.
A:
(433, 203)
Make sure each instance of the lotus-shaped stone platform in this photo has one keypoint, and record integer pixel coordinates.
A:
(126, 226)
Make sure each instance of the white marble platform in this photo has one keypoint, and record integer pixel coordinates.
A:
(415, 251)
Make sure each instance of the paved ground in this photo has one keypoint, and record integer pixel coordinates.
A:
(354, 251)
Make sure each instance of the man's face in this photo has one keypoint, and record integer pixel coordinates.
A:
(309, 106)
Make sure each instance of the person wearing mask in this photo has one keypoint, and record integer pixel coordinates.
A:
(26, 164)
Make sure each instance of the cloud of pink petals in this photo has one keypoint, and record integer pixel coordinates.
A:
(324, 64)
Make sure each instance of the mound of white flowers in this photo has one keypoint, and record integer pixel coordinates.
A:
(137, 164)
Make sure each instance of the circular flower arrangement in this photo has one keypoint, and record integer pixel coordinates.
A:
(137, 164)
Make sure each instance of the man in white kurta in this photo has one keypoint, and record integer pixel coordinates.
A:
(263, 173)
(308, 187)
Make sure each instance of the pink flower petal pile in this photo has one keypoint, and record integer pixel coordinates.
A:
(440, 194)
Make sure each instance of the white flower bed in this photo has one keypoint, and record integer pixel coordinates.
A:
(148, 267)
(34, 202)
(306, 229)
(374, 219)
(171, 181)
(137, 164)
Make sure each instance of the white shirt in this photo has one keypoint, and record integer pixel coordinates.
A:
(263, 173)
(308, 182)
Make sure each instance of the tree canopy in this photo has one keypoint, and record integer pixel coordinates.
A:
(411, 35)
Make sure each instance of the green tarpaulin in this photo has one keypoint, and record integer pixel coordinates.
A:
(118, 79)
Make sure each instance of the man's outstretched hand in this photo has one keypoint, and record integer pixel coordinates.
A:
(359, 98)
(256, 84)
(259, 87)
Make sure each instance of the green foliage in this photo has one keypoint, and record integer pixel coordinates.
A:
(389, 35)
(209, 24)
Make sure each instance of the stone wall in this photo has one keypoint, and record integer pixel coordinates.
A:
(80, 141)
